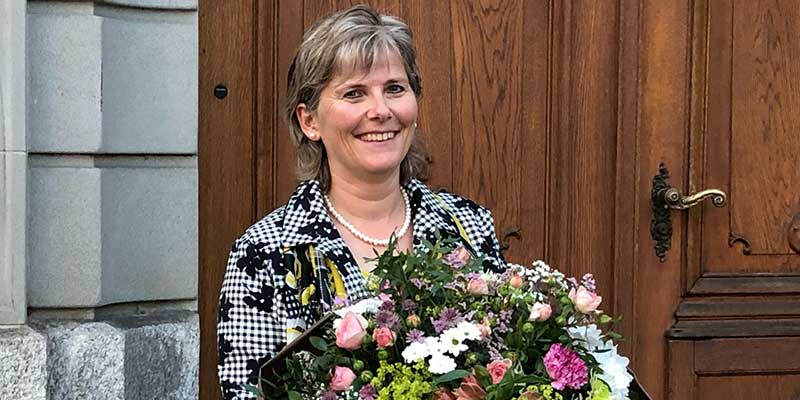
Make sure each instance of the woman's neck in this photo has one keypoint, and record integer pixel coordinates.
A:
(363, 200)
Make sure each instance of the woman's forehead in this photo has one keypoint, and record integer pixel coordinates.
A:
(357, 69)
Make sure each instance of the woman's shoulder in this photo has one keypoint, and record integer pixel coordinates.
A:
(266, 232)
(463, 206)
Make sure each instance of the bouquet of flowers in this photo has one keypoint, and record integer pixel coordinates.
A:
(439, 327)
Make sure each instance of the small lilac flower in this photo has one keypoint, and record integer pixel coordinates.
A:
(387, 305)
(420, 284)
(387, 319)
(588, 282)
(572, 281)
(328, 395)
(341, 302)
(449, 318)
(409, 305)
(367, 392)
(415, 335)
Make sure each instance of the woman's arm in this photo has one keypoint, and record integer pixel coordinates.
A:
(250, 325)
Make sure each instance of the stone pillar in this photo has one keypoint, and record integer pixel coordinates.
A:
(112, 194)
(13, 160)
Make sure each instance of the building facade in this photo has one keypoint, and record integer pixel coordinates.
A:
(98, 183)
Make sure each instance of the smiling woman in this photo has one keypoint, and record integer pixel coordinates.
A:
(352, 109)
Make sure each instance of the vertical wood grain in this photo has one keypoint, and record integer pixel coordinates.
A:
(266, 105)
(534, 135)
(487, 104)
(765, 141)
(583, 143)
(430, 23)
(663, 59)
(225, 158)
(290, 35)
(682, 377)
(627, 212)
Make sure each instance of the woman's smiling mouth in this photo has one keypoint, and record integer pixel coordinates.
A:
(377, 136)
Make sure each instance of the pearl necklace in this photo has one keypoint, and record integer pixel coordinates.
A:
(365, 238)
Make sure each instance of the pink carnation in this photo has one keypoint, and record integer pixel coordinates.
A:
(565, 367)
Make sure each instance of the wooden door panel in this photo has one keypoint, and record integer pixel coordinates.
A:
(746, 368)
(752, 140)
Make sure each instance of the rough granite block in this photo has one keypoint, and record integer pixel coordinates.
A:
(23, 358)
(85, 361)
(172, 343)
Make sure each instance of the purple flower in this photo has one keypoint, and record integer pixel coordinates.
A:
(387, 319)
(328, 395)
(415, 335)
(409, 305)
(449, 318)
(367, 392)
(341, 302)
(565, 367)
(420, 284)
(387, 305)
(588, 282)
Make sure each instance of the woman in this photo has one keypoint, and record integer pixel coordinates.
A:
(352, 106)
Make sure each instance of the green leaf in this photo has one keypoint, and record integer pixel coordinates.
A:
(318, 343)
(451, 376)
(482, 375)
(294, 395)
(254, 390)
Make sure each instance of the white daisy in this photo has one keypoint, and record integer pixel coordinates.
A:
(441, 364)
(414, 352)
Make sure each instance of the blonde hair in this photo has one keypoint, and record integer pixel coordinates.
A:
(345, 41)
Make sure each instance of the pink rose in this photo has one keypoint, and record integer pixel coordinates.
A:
(540, 312)
(343, 377)
(478, 286)
(351, 331)
(585, 300)
(498, 368)
(384, 336)
(516, 281)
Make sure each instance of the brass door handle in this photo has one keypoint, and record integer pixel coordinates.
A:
(672, 198)
(665, 198)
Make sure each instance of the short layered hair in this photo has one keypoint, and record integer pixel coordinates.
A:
(342, 43)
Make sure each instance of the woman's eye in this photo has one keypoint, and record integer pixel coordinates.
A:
(396, 89)
(351, 94)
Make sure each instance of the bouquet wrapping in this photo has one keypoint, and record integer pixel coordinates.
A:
(439, 327)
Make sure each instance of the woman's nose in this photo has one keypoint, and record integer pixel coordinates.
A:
(379, 110)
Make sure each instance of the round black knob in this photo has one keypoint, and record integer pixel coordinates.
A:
(220, 91)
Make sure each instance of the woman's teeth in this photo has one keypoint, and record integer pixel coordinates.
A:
(377, 137)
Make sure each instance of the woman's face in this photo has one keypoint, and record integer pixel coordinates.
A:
(366, 119)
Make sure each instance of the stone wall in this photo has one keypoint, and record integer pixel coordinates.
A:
(98, 282)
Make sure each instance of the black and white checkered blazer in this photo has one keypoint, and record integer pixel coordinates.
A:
(288, 269)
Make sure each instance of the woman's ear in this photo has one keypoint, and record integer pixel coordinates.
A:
(307, 122)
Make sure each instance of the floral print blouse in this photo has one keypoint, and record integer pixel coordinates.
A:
(285, 271)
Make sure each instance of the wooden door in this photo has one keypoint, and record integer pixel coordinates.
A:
(719, 106)
(556, 115)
